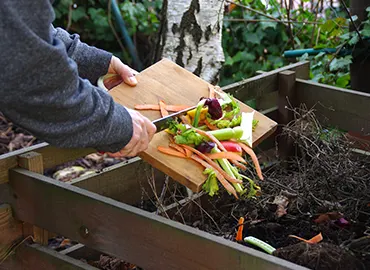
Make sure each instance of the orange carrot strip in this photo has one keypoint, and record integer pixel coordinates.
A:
(314, 240)
(217, 142)
(162, 107)
(170, 151)
(239, 234)
(178, 148)
(211, 91)
(176, 108)
(227, 155)
(251, 153)
(212, 163)
(212, 138)
(222, 180)
(239, 165)
(210, 126)
(187, 152)
(155, 107)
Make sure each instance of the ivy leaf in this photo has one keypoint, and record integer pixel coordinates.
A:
(229, 61)
(78, 13)
(353, 40)
(252, 38)
(340, 63)
(343, 81)
(354, 18)
(328, 26)
(265, 25)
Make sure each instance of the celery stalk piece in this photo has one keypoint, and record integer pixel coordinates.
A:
(247, 125)
(259, 243)
(227, 133)
(197, 113)
(225, 164)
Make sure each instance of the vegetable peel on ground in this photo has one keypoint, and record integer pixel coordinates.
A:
(314, 240)
(239, 234)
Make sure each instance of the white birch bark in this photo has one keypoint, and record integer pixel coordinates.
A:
(191, 36)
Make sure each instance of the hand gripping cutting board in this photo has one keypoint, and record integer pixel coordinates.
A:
(175, 85)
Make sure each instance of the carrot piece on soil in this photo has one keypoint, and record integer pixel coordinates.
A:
(212, 163)
(227, 155)
(251, 153)
(222, 180)
(239, 234)
(162, 107)
(314, 240)
(170, 151)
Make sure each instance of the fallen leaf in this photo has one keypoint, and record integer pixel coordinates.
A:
(330, 216)
(281, 202)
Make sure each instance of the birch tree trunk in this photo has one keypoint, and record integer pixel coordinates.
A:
(190, 35)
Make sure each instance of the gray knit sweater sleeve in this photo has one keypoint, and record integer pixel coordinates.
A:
(40, 86)
(92, 62)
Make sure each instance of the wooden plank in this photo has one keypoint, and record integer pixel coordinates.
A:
(144, 239)
(167, 81)
(286, 102)
(258, 86)
(52, 156)
(10, 230)
(123, 182)
(338, 107)
(31, 257)
(33, 162)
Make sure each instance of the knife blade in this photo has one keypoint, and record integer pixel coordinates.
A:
(163, 123)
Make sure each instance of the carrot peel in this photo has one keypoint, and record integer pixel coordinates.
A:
(314, 240)
(162, 107)
(170, 151)
(239, 234)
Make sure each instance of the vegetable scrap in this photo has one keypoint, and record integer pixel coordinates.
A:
(314, 240)
(214, 134)
(239, 234)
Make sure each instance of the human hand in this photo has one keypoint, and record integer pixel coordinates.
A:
(143, 132)
(127, 74)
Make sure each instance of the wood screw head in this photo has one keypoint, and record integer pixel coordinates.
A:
(84, 231)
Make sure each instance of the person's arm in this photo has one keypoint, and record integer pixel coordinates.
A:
(42, 92)
(92, 62)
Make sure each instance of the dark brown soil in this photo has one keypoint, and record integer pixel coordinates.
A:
(326, 188)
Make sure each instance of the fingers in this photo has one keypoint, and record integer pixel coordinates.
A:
(127, 73)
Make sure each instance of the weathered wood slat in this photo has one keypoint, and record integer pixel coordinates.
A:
(123, 182)
(129, 233)
(346, 109)
(52, 156)
(258, 86)
(32, 257)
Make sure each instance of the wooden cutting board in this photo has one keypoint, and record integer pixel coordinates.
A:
(174, 85)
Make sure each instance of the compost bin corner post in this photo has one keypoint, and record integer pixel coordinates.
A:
(33, 162)
(287, 101)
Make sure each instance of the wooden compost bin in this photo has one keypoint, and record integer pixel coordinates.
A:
(97, 210)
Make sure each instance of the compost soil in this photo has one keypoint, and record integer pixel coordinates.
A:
(324, 188)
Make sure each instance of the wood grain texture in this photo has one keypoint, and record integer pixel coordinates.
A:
(33, 162)
(52, 156)
(174, 85)
(286, 101)
(124, 182)
(337, 107)
(142, 238)
(35, 257)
